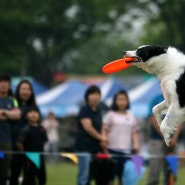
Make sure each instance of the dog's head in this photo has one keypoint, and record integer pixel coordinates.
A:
(147, 56)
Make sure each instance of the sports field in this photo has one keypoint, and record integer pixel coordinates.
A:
(64, 173)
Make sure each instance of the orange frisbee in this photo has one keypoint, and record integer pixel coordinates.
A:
(117, 65)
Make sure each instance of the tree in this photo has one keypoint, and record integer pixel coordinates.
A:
(35, 35)
(166, 24)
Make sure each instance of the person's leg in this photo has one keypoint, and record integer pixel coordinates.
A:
(47, 150)
(5, 163)
(54, 150)
(16, 167)
(29, 172)
(41, 173)
(156, 161)
(119, 159)
(83, 169)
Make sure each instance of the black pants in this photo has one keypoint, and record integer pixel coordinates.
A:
(5, 162)
(16, 167)
(120, 159)
(32, 173)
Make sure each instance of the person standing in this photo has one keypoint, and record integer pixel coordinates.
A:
(157, 147)
(8, 112)
(32, 138)
(121, 130)
(26, 98)
(51, 125)
(88, 133)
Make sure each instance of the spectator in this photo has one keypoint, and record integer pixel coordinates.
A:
(121, 130)
(25, 97)
(89, 133)
(32, 139)
(51, 125)
(157, 147)
(8, 113)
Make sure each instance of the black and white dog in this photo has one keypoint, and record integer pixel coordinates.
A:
(168, 64)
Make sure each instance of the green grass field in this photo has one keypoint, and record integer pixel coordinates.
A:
(64, 173)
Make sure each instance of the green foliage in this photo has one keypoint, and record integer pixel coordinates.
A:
(94, 54)
(39, 38)
(167, 25)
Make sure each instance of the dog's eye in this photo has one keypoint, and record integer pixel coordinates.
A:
(139, 52)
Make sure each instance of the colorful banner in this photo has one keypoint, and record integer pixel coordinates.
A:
(1, 155)
(34, 157)
(130, 174)
(138, 161)
(71, 156)
(133, 170)
(173, 163)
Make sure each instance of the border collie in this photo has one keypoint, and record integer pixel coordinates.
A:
(168, 64)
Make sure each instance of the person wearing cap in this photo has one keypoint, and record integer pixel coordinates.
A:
(32, 138)
(8, 113)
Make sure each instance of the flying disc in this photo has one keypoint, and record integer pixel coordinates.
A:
(117, 65)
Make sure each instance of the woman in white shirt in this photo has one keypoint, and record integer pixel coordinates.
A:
(121, 129)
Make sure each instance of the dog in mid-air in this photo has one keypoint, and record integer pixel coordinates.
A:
(168, 64)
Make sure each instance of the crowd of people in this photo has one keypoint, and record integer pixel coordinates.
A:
(118, 135)
(20, 131)
(115, 132)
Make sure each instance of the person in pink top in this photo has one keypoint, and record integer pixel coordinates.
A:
(121, 129)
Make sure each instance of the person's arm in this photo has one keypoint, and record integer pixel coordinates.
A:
(155, 125)
(104, 133)
(21, 138)
(88, 127)
(135, 139)
(12, 114)
(176, 135)
(2, 116)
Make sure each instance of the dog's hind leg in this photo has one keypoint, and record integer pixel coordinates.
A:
(170, 123)
(159, 110)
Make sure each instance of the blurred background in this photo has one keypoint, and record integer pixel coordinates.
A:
(51, 40)
(61, 46)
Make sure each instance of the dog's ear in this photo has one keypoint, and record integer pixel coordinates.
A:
(161, 49)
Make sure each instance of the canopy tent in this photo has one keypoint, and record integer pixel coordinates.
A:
(38, 88)
(63, 99)
(141, 96)
(110, 87)
(66, 98)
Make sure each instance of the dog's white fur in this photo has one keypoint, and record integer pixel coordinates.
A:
(167, 67)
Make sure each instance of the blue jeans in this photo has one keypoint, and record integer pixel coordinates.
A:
(84, 160)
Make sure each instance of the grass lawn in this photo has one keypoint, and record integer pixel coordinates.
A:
(64, 173)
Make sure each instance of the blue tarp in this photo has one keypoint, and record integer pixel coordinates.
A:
(65, 99)
(110, 87)
(142, 95)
